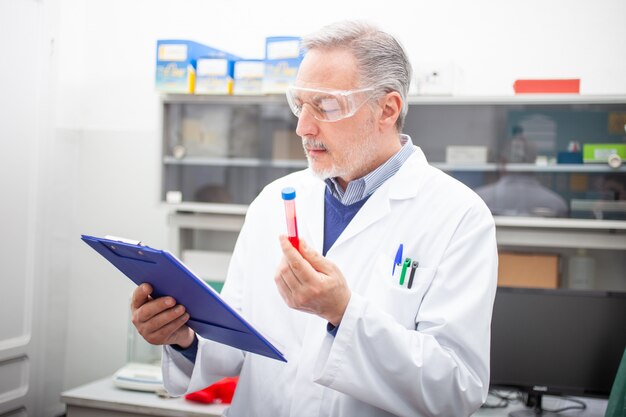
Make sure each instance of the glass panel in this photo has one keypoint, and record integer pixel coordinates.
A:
(600, 196)
(227, 153)
(529, 159)
(526, 159)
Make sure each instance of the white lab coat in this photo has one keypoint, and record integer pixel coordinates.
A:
(422, 351)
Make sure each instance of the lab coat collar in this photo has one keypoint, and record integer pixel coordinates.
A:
(404, 184)
(311, 213)
(409, 178)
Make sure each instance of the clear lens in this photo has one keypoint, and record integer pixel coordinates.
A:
(327, 105)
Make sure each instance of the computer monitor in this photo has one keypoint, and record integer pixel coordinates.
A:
(557, 342)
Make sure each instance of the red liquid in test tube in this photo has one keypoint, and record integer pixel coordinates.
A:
(289, 198)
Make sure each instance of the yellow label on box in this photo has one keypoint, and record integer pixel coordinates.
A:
(172, 52)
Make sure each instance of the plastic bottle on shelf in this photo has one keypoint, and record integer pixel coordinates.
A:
(581, 270)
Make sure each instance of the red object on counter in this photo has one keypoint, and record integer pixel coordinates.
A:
(221, 392)
(547, 86)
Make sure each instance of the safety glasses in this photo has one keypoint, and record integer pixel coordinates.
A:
(327, 105)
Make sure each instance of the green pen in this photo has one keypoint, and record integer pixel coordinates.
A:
(405, 265)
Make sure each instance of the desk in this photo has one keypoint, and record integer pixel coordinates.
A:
(102, 399)
(595, 407)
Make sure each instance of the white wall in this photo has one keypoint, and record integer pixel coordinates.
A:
(36, 182)
(99, 172)
(108, 47)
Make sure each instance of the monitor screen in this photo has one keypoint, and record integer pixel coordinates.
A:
(557, 341)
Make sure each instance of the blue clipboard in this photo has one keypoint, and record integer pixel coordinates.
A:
(209, 315)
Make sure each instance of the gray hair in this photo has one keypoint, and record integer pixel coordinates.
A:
(382, 61)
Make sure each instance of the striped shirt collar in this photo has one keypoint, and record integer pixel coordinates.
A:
(365, 186)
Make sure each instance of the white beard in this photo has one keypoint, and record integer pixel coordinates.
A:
(355, 158)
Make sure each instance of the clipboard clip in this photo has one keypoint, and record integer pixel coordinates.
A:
(124, 240)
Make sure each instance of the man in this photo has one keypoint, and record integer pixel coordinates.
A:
(360, 341)
(520, 193)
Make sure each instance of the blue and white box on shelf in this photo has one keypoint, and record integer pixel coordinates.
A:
(283, 56)
(214, 76)
(176, 64)
(249, 75)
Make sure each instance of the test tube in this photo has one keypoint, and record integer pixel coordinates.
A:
(289, 198)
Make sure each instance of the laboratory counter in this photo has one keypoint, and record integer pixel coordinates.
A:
(102, 399)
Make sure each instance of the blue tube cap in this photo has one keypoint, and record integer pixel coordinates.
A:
(289, 193)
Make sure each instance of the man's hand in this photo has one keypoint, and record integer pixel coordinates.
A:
(309, 282)
(160, 321)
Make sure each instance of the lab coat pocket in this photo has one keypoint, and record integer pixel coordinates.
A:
(398, 300)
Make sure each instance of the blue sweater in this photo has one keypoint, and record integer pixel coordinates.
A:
(337, 217)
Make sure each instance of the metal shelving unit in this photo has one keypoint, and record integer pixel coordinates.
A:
(567, 168)
(193, 223)
(236, 162)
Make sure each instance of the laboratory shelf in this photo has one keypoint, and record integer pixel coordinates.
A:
(230, 100)
(228, 148)
(236, 162)
(494, 167)
(488, 167)
(560, 233)
(207, 208)
(511, 231)
(553, 223)
(522, 99)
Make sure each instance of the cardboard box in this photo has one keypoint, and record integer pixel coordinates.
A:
(466, 154)
(248, 77)
(617, 123)
(565, 157)
(528, 270)
(176, 64)
(283, 56)
(214, 76)
(559, 86)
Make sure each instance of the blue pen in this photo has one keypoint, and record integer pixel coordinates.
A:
(398, 260)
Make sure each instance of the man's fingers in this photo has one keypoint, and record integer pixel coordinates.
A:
(317, 261)
(287, 247)
(309, 282)
(151, 309)
(314, 260)
(167, 316)
(165, 334)
(141, 295)
(300, 267)
(287, 276)
(158, 327)
(158, 320)
(283, 289)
